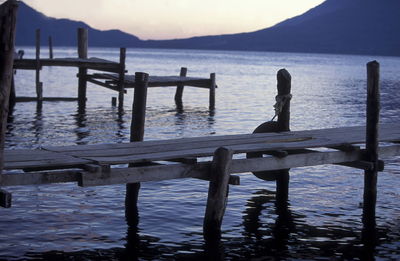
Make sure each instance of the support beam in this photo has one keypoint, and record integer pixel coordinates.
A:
(137, 134)
(51, 48)
(371, 145)
(39, 84)
(179, 91)
(121, 78)
(217, 193)
(212, 91)
(82, 53)
(282, 179)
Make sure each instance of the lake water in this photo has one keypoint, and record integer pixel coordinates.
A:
(67, 222)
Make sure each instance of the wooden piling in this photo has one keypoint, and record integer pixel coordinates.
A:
(113, 101)
(50, 48)
(82, 53)
(217, 193)
(212, 92)
(179, 91)
(121, 77)
(8, 13)
(284, 88)
(5, 199)
(372, 133)
(139, 106)
(39, 84)
(137, 134)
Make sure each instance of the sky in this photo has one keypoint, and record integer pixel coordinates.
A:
(169, 19)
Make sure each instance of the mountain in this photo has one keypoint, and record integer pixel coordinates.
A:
(335, 26)
(64, 31)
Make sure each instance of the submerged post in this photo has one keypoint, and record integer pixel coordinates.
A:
(212, 91)
(284, 88)
(39, 85)
(137, 134)
(372, 133)
(217, 193)
(121, 80)
(179, 91)
(50, 48)
(83, 54)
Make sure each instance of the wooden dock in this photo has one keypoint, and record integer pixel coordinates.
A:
(271, 149)
(114, 74)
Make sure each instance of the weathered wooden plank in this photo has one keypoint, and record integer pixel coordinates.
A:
(50, 99)
(24, 158)
(390, 132)
(199, 170)
(160, 81)
(31, 155)
(140, 145)
(208, 151)
(89, 63)
(170, 147)
(40, 178)
(47, 163)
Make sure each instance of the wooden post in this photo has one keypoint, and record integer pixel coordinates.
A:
(371, 176)
(113, 101)
(217, 193)
(137, 134)
(8, 13)
(282, 181)
(139, 106)
(179, 91)
(13, 96)
(121, 80)
(39, 85)
(83, 54)
(50, 48)
(212, 91)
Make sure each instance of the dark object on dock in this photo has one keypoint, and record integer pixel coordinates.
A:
(113, 74)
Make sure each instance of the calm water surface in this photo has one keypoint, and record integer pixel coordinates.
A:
(324, 217)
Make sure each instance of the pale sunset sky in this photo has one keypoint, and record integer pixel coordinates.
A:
(168, 19)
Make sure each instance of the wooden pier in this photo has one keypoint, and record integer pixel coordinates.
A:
(276, 147)
(113, 74)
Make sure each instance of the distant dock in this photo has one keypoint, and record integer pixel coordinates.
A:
(113, 75)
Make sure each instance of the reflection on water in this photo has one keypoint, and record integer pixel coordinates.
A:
(322, 219)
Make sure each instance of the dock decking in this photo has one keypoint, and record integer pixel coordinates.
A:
(91, 165)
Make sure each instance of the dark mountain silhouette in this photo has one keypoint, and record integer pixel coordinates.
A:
(335, 26)
(64, 31)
